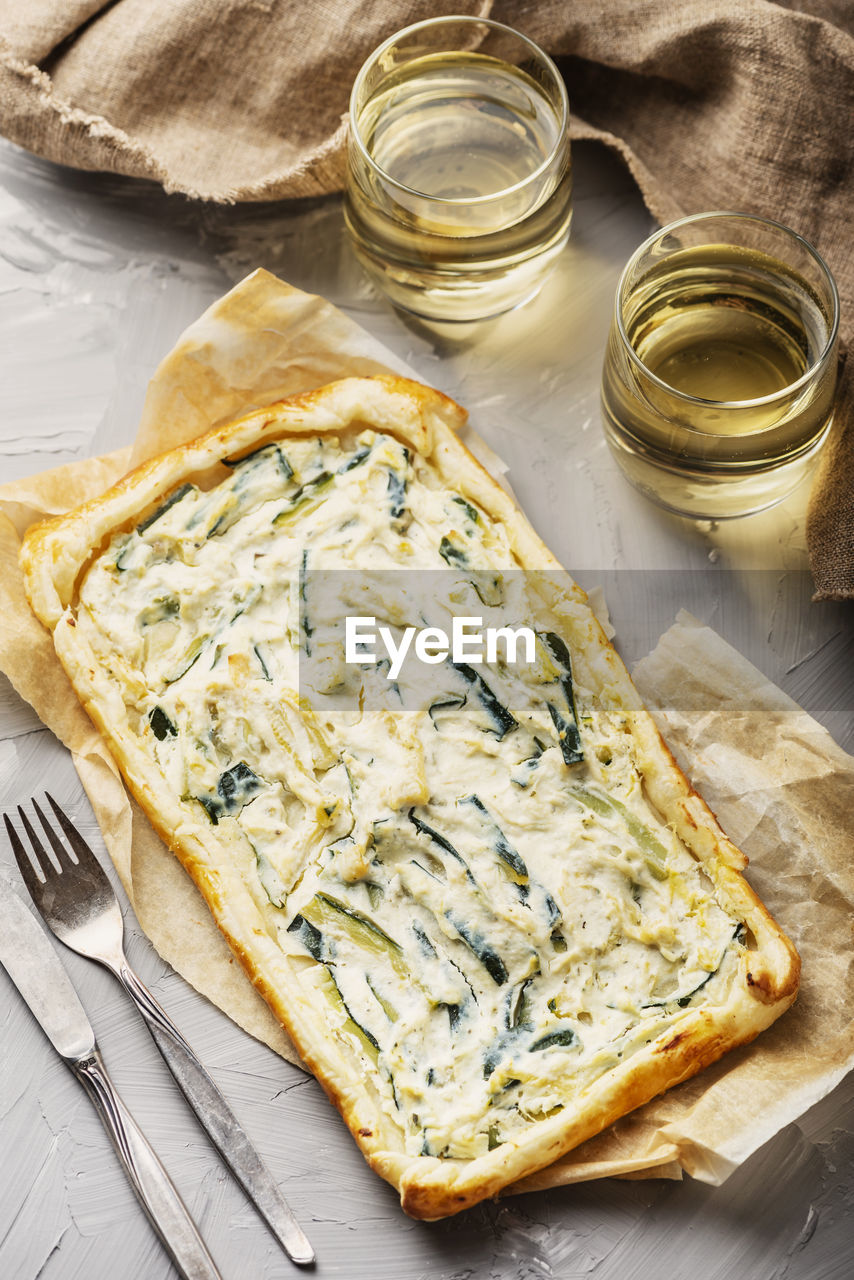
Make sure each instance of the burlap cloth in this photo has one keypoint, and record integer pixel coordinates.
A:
(713, 104)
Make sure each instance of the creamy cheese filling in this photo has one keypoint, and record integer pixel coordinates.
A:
(492, 913)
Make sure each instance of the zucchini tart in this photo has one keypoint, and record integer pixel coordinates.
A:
(487, 906)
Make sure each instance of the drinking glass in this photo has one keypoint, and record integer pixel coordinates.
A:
(720, 370)
(459, 190)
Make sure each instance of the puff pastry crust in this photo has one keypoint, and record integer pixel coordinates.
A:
(488, 955)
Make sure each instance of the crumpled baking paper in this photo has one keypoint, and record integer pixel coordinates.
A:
(779, 784)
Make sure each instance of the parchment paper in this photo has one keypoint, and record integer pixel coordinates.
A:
(781, 787)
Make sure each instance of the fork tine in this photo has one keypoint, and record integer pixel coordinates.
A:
(25, 865)
(39, 852)
(65, 862)
(14, 838)
(72, 835)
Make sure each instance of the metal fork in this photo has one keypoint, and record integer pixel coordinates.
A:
(78, 903)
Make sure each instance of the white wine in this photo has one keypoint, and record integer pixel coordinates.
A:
(723, 326)
(718, 382)
(460, 126)
(461, 206)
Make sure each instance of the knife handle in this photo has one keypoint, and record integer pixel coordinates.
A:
(150, 1181)
(219, 1121)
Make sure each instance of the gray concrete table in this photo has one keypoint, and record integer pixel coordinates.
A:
(98, 276)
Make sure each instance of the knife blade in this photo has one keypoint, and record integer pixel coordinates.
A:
(38, 973)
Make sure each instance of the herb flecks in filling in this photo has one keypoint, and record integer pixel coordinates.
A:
(474, 890)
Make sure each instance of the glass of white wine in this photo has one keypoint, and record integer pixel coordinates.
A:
(720, 370)
(459, 190)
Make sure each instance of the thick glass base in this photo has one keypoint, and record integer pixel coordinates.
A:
(709, 493)
(463, 295)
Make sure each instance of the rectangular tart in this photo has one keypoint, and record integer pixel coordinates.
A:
(492, 914)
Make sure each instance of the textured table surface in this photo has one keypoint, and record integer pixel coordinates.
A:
(98, 276)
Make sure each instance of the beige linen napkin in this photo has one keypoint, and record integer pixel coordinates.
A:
(713, 104)
(773, 775)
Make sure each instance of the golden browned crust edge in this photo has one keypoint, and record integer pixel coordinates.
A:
(55, 552)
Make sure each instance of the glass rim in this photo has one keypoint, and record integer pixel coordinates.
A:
(807, 376)
(462, 20)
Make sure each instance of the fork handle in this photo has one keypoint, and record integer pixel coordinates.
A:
(219, 1121)
(152, 1184)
